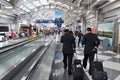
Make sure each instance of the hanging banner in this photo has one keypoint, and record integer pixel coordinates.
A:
(56, 21)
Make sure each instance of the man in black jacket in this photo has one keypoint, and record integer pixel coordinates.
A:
(90, 41)
(68, 49)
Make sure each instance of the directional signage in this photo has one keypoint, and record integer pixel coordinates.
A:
(50, 21)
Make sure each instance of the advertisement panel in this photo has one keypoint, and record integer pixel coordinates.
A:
(106, 30)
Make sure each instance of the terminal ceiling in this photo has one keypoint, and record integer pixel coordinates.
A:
(71, 9)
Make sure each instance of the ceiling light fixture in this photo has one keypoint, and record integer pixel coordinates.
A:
(88, 11)
(8, 0)
(79, 11)
(98, 0)
(24, 0)
(8, 7)
(112, 0)
(36, 9)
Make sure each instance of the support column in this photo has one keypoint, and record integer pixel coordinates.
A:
(83, 25)
(96, 20)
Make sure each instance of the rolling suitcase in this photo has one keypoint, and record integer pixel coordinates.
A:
(97, 65)
(97, 72)
(77, 70)
(99, 75)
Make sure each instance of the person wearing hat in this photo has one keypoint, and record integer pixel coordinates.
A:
(90, 41)
(68, 49)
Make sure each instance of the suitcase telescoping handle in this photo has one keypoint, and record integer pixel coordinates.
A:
(96, 57)
(76, 55)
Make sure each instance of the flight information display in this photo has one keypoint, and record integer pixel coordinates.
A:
(4, 28)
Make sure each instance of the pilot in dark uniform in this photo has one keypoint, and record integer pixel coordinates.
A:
(90, 41)
(68, 49)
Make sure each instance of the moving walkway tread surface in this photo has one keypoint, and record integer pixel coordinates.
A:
(58, 72)
(22, 73)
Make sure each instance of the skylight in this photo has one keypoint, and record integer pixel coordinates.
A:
(58, 7)
(27, 10)
(52, 6)
(30, 6)
(24, 8)
(36, 3)
(46, 6)
(44, 2)
(65, 5)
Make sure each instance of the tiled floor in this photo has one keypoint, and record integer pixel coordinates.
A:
(111, 62)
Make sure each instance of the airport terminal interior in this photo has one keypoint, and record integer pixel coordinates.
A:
(31, 30)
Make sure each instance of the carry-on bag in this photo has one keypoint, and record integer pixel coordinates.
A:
(99, 75)
(97, 65)
(97, 70)
(77, 70)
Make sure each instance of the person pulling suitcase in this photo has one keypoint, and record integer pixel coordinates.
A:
(68, 50)
(90, 40)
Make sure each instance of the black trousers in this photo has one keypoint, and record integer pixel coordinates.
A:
(91, 59)
(67, 60)
(79, 41)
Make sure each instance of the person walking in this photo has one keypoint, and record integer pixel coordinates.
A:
(90, 41)
(68, 49)
(80, 38)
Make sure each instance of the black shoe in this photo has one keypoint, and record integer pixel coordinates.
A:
(90, 73)
(69, 72)
(84, 67)
(65, 67)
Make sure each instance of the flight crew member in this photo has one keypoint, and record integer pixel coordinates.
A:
(68, 49)
(90, 41)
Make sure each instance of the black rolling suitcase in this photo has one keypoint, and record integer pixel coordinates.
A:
(97, 71)
(99, 75)
(77, 70)
(97, 65)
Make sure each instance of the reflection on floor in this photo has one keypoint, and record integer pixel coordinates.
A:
(58, 73)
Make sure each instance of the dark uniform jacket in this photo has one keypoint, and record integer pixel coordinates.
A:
(68, 43)
(90, 40)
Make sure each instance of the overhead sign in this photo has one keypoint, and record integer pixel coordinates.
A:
(50, 21)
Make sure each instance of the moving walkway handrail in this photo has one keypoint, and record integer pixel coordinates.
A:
(16, 45)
